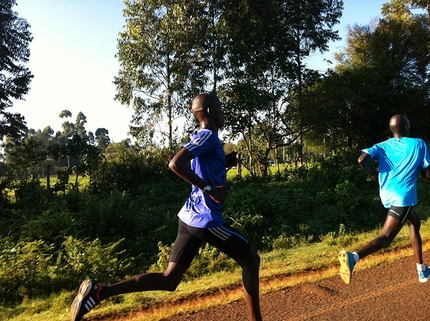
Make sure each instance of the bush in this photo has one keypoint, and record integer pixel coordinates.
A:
(129, 170)
(25, 270)
(108, 233)
(32, 269)
(83, 259)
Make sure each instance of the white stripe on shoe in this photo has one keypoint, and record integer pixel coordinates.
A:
(90, 304)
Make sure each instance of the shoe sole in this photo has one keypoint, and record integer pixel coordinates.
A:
(345, 272)
(423, 280)
(84, 290)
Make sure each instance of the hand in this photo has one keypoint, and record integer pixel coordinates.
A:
(219, 193)
(375, 175)
(231, 159)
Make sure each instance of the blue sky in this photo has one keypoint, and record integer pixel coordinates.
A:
(73, 60)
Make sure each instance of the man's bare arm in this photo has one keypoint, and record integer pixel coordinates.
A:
(363, 161)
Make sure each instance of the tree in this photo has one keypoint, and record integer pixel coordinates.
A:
(266, 73)
(243, 51)
(253, 73)
(71, 129)
(154, 53)
(102, 138)
(68, 128)
(84, 157)
(15, 77)
(382, 71)
(115, 151)
(402, 8)
(80, 122)
(25, 157)
(311, 26)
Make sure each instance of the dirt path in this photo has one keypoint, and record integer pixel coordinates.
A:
(387, 292)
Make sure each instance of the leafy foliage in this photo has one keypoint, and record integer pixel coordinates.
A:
(158, 53)
(86, 157)
(31, 269)
(14, 75)
(250, 54)
(114, 234)
(382, 71)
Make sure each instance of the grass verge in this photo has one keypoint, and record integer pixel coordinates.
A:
(279, 269)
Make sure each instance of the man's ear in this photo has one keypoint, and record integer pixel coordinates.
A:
(209, 111)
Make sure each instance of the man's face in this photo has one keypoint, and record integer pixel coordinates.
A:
(407, 125)
(218, 116)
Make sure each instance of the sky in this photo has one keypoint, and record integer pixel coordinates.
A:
(73, 60)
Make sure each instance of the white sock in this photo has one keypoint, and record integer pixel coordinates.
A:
(355, 257)
(421, 267)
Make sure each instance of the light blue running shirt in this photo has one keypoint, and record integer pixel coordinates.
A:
(209, 163)
(399, 161)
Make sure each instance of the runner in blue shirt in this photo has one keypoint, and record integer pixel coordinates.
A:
(401, 159)
(200, 220)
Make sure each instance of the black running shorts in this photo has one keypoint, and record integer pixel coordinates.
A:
(401, 213)
(224, 238)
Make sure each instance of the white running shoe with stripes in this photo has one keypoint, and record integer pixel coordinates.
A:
(86, 299)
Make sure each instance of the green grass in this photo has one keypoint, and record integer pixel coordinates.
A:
(82, 184)
(279, 269)
(83, 181)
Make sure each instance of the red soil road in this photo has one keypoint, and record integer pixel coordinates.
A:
(387, 292)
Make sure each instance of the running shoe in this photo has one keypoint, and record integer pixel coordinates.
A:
(347, 264)
(87, 298)
(424, 276)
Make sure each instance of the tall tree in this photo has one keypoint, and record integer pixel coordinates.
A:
(382, 71)
(402, 8)
(82, 157)
(310, 25)
(257, 52)
(154, 53)
(80, 122)
(102, 138)
(242, 50)
(25, 156)
(15, 77)
(68, 127)
(71, 129)
(270, 41)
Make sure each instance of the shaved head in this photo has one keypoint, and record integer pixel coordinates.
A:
(399, 125)
(204, 101)
(208, 111)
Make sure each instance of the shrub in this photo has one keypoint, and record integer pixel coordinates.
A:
(340, 239)
(83, 259)
(25, 269)
(32, 269)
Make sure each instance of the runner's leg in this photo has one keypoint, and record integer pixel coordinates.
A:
(415, 236)
(235, 245)
(184, 249)
(167, 281)
(391, 228)
(251, 284)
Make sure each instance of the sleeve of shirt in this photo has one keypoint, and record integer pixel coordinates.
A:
(426, 159)
(372, 151)
(200, 143)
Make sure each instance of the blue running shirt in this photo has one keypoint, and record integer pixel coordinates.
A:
(399, 161)
(209, 163)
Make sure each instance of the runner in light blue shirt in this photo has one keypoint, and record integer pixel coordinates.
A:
(401, 159)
